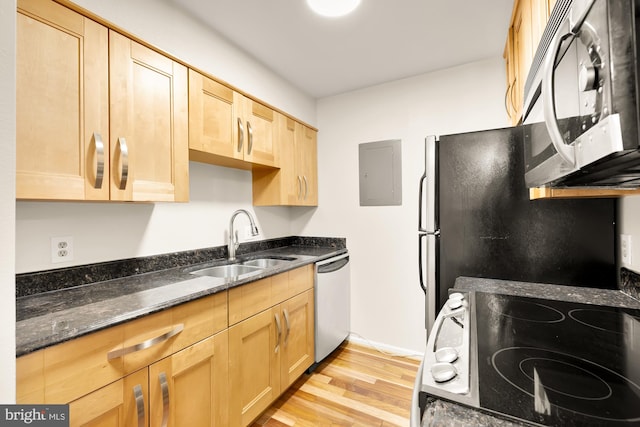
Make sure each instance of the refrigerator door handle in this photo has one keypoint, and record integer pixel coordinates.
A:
(423, 285)
(423, 180)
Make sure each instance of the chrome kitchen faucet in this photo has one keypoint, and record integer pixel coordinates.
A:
(233, 235)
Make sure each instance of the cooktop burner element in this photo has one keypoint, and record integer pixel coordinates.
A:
(571, 383)
(526, 310)
(558, 363)
(598, 319)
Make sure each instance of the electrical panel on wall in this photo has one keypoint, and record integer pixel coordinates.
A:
(380, 173)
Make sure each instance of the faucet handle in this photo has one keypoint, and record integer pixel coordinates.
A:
(236, 242)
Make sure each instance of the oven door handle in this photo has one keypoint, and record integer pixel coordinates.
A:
(567, 152)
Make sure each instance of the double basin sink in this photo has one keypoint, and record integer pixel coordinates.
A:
(243, 268)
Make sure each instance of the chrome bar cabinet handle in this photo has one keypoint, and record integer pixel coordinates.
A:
(288, 325)
(124, 172)
(145, 344)
(250, 137)
(164, 387)
(278, 333)
(306, 187)
(240, 135)
(137, 394)
(97, 140)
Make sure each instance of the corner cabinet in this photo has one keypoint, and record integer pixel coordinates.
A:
(296, 182)
(227, 128)
(99, 116)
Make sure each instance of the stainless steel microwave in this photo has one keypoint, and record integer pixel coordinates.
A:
(582, 95)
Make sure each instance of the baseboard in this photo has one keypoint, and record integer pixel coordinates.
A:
(384, 348)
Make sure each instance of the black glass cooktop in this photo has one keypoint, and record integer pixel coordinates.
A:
(558, 363)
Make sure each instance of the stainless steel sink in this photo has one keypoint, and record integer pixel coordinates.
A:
(268, 262)
(225, 271)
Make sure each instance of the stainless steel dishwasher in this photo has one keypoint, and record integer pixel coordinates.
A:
(332, 298)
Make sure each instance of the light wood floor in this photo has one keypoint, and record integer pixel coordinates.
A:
(355, 386)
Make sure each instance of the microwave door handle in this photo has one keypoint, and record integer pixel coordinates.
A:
(567, 152)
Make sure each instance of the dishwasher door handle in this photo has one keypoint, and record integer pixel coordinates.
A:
(333, 264)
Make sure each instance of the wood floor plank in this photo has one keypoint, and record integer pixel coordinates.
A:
(356, 386)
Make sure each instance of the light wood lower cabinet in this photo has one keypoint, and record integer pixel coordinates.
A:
(189, 388)
(254, 366)
(269, 350)
(113, 405)
(207, 374)
(186, 388)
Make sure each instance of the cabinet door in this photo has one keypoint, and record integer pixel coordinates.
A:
(254, 366)
(291, 188)
(211, 117)
(189, 387)
(62, 101)
(149, 124)
(121, 403)
(307, 164)
(257, 131)
(298, 339)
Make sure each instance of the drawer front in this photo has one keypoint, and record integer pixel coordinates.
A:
(301, 279)
(67, 371)
(249, 299)
(153, 337)
(75, 368)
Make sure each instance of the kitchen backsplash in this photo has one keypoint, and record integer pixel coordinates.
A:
(51, 280)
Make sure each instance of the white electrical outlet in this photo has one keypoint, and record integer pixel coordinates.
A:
(625, 249)
(61, 249)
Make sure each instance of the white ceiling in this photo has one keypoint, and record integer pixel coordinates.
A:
(381, 41)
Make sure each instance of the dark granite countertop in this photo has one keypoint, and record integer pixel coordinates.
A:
(52, 317)
(441, 413)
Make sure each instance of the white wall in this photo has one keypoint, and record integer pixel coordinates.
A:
(629, 223)
(7, 199)
(387, 303)
(104, 232)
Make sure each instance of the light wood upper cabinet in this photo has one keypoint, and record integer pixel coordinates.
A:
(99, 116)
(62, 101)
(307, 165)
(149, 124)
(227, 128)
(259, 128)
(211, 113)
(296, 182)
(528, 21)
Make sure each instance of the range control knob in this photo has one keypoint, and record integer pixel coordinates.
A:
(443, 372)
(454, 303)
(446, 354)
(587, 77)
(457, 295)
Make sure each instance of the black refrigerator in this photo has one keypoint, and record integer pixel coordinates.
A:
(476, 219)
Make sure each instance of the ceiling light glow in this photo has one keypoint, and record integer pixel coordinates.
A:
(333, 8)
